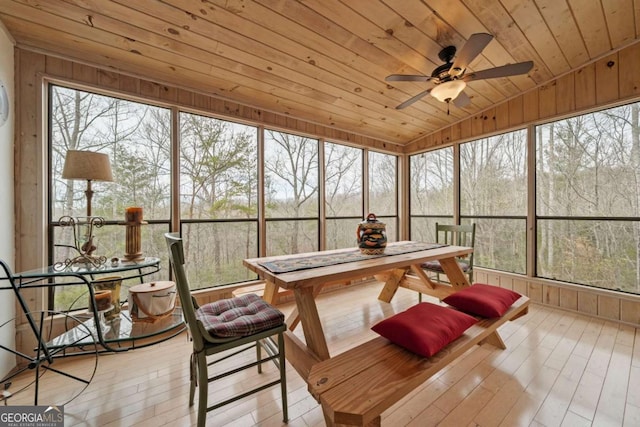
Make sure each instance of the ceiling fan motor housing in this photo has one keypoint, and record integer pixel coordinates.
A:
(441, 73)
(447, 54)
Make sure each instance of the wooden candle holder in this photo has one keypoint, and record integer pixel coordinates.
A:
(133, 243)
(133, 221)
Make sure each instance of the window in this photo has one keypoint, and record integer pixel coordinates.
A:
(588, 197)
(291, 193)
(137, 139)
(383, 191)
(430, 192)
(218, 198)
(493, 194)
(343, 194)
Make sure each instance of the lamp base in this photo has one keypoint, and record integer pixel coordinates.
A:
(87, 260)
(83, 240)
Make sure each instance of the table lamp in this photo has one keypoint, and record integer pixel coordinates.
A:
(90, 166)
(87, 165)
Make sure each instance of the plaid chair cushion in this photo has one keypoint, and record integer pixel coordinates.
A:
(239, 317)
(435, 266)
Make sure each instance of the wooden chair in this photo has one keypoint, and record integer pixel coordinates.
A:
(458, 235)
(201, 323)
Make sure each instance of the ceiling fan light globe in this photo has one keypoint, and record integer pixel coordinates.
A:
(448, 90)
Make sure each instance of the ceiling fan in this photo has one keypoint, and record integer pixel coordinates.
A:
(450, 78)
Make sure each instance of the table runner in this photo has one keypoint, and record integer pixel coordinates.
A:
(324, 260)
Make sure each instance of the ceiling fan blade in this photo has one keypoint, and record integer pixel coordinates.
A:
(413, 99)
(472, 48)
(462, 100)
(407, 78)
(503, 71)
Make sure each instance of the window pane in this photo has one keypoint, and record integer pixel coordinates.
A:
(500, 244)
(292, 237)
(424, 229)
(341, 233)
(135, 136)
(596, 253)
(291, 176)
(431, 183)
(391, 228)
(383, 184)
(343, 180)
(218, 169)
(214, 252)
(589, 165)
(493, 175)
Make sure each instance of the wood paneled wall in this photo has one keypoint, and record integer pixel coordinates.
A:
(611, 79)
(601, 303)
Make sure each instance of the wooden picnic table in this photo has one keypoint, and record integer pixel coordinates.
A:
(306, 284)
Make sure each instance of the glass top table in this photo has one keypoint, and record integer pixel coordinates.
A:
(44, 336)
(148, 265)
(120, 333)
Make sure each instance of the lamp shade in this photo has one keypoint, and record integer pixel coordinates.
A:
(87, 165)
(448, 91)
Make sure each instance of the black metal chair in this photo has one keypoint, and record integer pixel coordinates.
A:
(225, 325)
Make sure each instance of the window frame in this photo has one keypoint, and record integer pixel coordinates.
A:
(175, 222)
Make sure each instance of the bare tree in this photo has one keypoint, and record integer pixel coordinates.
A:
(291, 163)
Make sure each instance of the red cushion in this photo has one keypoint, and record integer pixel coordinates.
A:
(424, 328)
(483, 300)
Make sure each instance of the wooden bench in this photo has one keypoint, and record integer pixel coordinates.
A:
(356, 386)
(284, 295)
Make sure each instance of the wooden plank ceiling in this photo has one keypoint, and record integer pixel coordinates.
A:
(325, 61)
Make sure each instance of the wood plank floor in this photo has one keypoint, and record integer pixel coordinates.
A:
(559, 369)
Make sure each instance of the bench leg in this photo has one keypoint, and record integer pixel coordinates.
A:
(495, 340)
(329, 422)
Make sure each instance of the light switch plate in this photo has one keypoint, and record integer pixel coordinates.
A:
(4, 104)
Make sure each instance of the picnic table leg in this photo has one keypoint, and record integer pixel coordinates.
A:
(270, 292)
(294, 317)
(457, 278)
(311, 326)
(418, 271)
(391, 285)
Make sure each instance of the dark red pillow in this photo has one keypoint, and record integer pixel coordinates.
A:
(483, 300)
(424, 328)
